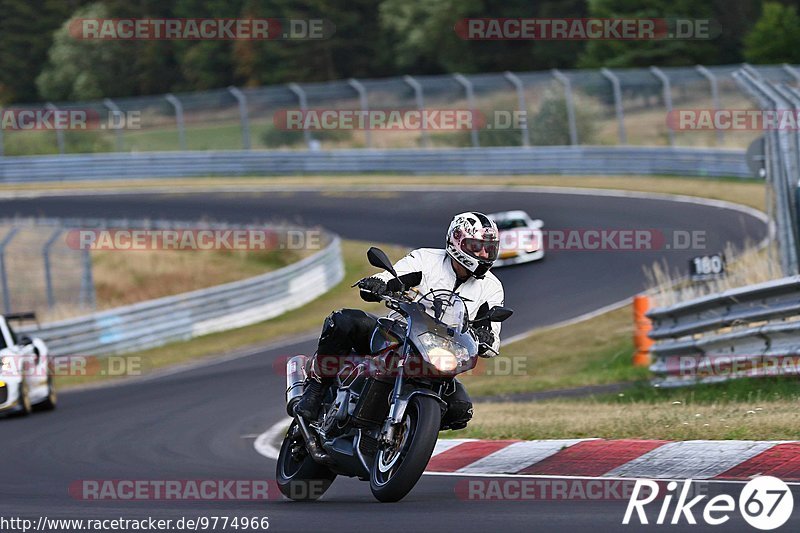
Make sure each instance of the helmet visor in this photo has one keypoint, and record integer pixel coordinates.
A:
(481, 250)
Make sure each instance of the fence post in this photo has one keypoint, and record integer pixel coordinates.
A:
(523, 108)
(471, 103)
(364, 103)
(618, 109)
(3, 272)
(2, 143)
(712, 80)
(115, 110)
(792, 72)
(241, 99)
(87, 281)
(172, 99)
(48, 277)
(573, 124)
(303, 101)
(59, 131)
(419, 97)
(667, 88)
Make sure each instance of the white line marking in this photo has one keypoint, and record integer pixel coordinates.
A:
(267, 443)
(517, 456)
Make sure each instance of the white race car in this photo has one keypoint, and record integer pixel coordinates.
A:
(521, 238)
(26, 370)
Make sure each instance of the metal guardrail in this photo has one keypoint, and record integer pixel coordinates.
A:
(184, 316)
(750, 331)
(583, 160)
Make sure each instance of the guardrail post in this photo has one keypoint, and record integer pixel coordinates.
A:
(87, 281)
(667, 89)
(3, 272)
(419, 97)
(178, 106)
(303, 101)
(59, 131)
(48, 278)
(572, 121)
(245, 120)
(364, 104)
(792, 72)
(712, 80)
(642, 326)
(116, 112)
(618, 109)
(521, 105)
(471, 103)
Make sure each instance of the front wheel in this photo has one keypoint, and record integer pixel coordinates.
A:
(299, 477)
(398, 467)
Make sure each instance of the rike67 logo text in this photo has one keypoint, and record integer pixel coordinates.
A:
(765, 503)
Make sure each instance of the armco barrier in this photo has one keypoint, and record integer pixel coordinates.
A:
(751, 331)
(587, 160)
(184, 316)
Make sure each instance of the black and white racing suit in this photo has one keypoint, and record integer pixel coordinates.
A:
(349, 330)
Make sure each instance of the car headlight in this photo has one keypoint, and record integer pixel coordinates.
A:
(442, 353)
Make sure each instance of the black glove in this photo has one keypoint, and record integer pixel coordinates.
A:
(485, 338)
(372, 289)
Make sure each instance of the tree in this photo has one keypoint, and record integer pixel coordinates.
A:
(83, 69)
(426, 41)
(775, 38)
(643, 53)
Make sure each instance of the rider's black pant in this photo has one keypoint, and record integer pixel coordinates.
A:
(349, 331)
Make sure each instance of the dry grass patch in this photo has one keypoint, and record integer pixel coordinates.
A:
(642, 420)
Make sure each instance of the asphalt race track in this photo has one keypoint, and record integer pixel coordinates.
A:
(200, 424)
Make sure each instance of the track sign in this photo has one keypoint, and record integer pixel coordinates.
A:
(707, 267)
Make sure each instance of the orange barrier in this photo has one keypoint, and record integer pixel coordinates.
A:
(641, 327)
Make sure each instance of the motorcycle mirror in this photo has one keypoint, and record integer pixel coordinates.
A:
(379, 259)
(499, 314)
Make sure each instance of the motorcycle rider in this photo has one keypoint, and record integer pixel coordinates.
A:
(472, 245)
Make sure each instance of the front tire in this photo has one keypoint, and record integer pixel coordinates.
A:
(24, 399)
(299, 477)
(397, 468)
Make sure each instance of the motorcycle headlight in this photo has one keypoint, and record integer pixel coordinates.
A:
(5, 364)
(442, 353)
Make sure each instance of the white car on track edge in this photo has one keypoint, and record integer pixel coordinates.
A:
(521, 237)
(26, 370)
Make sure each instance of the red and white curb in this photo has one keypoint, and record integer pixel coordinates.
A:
(724, 460)
(653, 459)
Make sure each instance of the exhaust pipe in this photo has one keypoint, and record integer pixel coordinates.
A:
(295, 381)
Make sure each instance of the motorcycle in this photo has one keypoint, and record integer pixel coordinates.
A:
(381, 418)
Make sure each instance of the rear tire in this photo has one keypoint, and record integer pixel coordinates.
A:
(395, 471)
(52, 397)
(299, 477)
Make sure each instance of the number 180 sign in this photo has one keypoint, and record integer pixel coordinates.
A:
(707, 267)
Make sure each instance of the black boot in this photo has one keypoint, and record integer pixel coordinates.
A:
(311, 400)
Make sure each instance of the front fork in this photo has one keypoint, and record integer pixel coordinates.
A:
(397, 407)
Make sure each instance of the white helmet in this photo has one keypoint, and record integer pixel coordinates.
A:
(473, 241)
